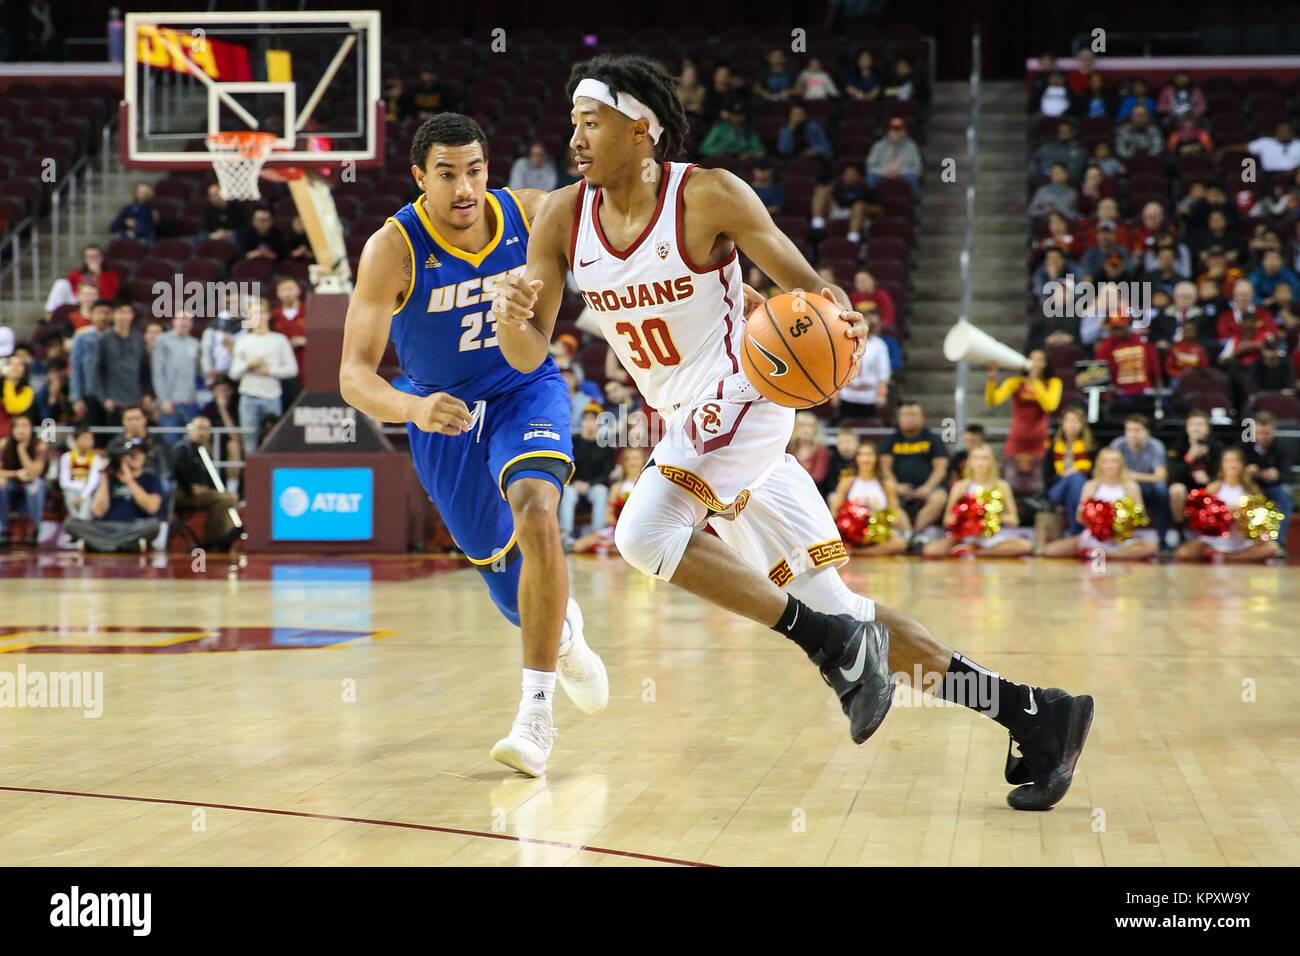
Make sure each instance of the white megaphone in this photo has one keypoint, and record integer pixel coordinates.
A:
(965, 342)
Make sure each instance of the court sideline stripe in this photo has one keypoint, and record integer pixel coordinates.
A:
(366, 820)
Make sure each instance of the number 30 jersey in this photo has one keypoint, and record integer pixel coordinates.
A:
(675, 327)
(445, 331)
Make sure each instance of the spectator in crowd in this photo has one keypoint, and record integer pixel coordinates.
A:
(569, 175)
(1138, 136)
(847, 198)
(732, 135)
(135, 424)
(87, 295)
(1059, 235)
(1094, 189)
(814, 83)
(915, 458)
(863, 83)
(1055, 195)
(1215, 198)
(217, 348)
(593, 462)
(843, 457)
(1065, 149)
(807, 446)
(22, 472)
(1271, 374)
(289, 318)
(776, 80)
(1085, 66)
(1136, 96)
(1181, 97)
(1279, 153)
(1055, 269)
(1193, 461)
(427, 97)
(864, 290)
(1270, 275)
(1145, 239)
(1218, 238)
(222, 219)
(723, 94)
(1055, 98)
(868, 391)
(296, 240)
(1110, 482)
(1232, 486)
(1242, 326)
(1055, 324)
(1112, 166)
(175, 368)
(85, 385)
(971, 438)
(1034, 397)
(578, 399)
(261, 239)
(534, 171)
(1195, 195)
(864, 484)
(126, 503)
(1268, 463)
(80, 469)
(983, 467)
(392, 99)
(223, 412)
(1046, 66)
(120, 353)
(1145, 459)
(138, 219)
(195, 488)
(1280, 201)
(1286, 315)
(1134, 364)
(53, 403)
(801, 136)
(1095, 100)
(18, 395)
(1262, 239)
(767, 188)
(895, 157)
(1068, 464)
(262, 358)
(92, 270)
(690, 90)
(902, 84)
(1091, 265)
(1189, 138)
(630, 464)
(153, 330)
(1165, 275)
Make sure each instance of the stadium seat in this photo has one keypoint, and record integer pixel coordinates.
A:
(202, 270)
(222, 249)
(1284, 408)
(126, 250)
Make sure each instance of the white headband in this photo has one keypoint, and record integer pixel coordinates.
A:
(625, 103)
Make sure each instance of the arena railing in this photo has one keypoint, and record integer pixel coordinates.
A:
(968, 241)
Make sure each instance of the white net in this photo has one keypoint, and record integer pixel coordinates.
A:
(237, 159)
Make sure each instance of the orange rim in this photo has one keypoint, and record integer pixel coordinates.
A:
(249, 143)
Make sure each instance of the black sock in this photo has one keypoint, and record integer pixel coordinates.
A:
(812, 630)
(990, 694)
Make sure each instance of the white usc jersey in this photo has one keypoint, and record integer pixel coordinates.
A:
(675, 327)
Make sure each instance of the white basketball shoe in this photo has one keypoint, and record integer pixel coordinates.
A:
(528, 745)
(580, 670)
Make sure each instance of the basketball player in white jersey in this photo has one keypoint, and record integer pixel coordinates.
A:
(653, 248)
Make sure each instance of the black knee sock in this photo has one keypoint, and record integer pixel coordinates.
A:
(990, 694)
(814, 631)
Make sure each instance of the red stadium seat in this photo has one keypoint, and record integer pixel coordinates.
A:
(126, 250)
(253, 270)
(222, 249)
(175, 250)
(202, 270)
(1284, 408)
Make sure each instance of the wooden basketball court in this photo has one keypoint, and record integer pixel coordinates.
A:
(324, 712)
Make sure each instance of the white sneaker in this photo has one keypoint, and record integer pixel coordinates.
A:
(580, 669)
(528, 745)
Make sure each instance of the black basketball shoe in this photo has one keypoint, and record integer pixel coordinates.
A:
(861, 677)
(1049, 751)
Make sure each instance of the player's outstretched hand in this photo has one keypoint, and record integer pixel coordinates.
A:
(753, 298)
(513, 299)
(442, 414)
(858, 330)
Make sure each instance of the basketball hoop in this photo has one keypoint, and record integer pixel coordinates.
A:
(237, 158)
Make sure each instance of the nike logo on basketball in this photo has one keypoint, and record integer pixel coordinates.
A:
(1033, 704)
(778, 367)
(589, 262)
(855, 672)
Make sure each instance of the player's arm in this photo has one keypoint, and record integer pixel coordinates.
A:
(526, 305)
(383, 277)
(740, 215)
(530, 200)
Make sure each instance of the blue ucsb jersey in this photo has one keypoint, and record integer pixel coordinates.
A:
(445, 332)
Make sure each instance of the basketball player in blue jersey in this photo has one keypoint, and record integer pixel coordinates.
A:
(492, 445)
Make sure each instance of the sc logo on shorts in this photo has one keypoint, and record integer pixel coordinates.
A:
(710, 420)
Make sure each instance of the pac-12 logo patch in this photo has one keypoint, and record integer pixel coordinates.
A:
(661, 248)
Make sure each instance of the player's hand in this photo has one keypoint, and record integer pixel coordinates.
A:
(753, 299)
(441, 414)
(513, 300)
(858, 329)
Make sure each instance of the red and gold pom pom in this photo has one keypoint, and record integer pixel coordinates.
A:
(852, 519)
(1207, 514)
(994, 505)
(880, 526)
(1129, 515)
(967, 517)
(1259, 518)
(1099, 519)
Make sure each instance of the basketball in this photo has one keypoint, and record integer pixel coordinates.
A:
(794, 350)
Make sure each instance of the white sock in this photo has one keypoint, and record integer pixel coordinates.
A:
(824, 590)
(538, 690)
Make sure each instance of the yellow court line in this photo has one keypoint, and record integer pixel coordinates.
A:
(165, 642)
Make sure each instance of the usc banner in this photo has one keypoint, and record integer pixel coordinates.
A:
(162, 48)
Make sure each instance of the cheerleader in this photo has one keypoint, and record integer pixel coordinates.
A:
(865, 487)
(631, 463)
(1111, 483)
(1004, 542)
(1232, 487)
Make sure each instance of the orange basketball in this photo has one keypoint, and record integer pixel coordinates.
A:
(794, 350)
